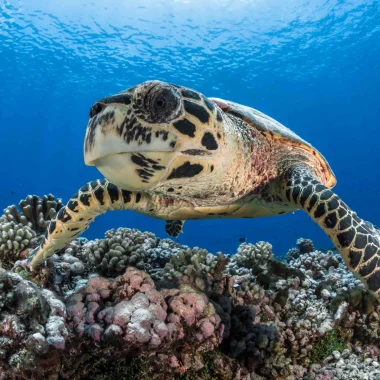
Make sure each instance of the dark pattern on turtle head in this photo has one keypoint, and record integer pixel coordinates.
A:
(146, 166)
(186, 170)
(99, 120)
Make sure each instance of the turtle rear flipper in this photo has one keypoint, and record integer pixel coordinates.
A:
(358, 241)
(93, 199)
(174, 227)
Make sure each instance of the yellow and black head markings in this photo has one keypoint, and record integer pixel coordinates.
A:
(146, 135)
(186, 170)
(147, 166)
(171, 153)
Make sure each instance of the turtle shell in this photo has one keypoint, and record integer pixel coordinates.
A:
(276, 131)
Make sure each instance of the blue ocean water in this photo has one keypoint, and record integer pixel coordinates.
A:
(312, 65)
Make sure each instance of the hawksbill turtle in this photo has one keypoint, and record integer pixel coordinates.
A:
(171, 153)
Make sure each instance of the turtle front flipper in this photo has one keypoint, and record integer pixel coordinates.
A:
(358, 241)
(93, 199)
(174, 227)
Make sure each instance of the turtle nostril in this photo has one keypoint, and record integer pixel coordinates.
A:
(96, 109)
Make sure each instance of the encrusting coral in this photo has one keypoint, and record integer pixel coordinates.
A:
(32, 328)
(175, 312)
(129, 312)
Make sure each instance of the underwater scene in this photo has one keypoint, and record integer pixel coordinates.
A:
(190, 189)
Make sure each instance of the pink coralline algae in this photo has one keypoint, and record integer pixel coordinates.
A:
(132, 312)
(32, 328)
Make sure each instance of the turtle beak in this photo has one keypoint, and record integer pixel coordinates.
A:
(96, 109)
(99, 106)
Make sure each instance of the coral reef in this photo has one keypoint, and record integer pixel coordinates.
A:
(345, 365)
(21, 227)
(130, 310)
(14, 240)
(120, 249)
(254, 256)
(176, 312)
(33, 211)
(32, 328)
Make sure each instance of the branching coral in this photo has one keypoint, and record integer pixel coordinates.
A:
(120, 249)
(345, 365)
(21, 227)
(305, 245)
(129, 247)
(254, 256)
(34, 212)
(194, 262)
(159, 255)
(14, 239)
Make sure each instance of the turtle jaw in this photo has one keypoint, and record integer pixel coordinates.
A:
(135, 171)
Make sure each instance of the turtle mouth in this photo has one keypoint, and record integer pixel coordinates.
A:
(188, 152)
(196, 152)
(135, 170)
(142, 170)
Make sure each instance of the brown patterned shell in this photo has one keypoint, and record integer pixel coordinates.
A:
(275, 130)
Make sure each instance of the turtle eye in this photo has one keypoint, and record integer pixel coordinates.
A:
(163, 103)
(159, 103)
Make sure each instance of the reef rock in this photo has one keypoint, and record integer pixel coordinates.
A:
(134, 306)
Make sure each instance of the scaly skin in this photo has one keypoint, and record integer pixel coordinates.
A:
(358, 241)
(92, 200)
(174, 227)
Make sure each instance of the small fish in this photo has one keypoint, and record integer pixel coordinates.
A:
(12, 192)
(242, 239)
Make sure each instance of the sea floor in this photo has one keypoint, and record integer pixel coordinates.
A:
(134, 306)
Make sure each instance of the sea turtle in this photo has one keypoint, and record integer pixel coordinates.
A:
(171, 153)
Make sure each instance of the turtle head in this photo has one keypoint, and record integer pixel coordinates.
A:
(157, 137)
